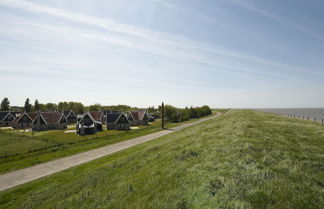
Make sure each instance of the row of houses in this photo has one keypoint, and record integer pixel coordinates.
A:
(38, 121)
(91, 122)
(87, 123)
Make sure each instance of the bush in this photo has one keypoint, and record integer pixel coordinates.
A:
(173, 114)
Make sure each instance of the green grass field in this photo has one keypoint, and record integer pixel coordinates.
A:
(223, 110)
(243, 159)
(23, 149)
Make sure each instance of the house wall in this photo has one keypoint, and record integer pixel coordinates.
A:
(23, 125)
(118, 126)
(71, 120)
(111, 126)
(6, 123)
(122, 126)
(139, 122)
(44, 127)
(86, 131)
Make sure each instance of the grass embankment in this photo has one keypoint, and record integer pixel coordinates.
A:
(243, 159)
(19, 150)
(222, 110)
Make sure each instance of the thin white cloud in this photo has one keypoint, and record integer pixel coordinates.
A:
(140, 39)
(284, 21)
(107, 24)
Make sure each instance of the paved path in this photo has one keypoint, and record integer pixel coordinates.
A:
(25, 175)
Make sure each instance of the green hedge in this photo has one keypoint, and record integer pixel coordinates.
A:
(173, 114)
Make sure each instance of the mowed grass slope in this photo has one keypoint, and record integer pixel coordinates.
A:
(19, 150)
(243, 159)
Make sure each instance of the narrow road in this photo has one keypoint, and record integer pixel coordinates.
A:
(25, 175)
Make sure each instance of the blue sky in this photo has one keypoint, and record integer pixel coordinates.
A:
(224, 53)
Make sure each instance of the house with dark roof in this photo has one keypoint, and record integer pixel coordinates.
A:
(117, 121)
(70, 116)
(49, 121)
(25, 120)
(139, 117)
(88, 124)
(105, 112)
(130, 118)
(7, 118)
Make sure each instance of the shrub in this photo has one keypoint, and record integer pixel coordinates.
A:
(174, 114)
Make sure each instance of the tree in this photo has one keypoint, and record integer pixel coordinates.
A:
(95, 107)
(36, 105)
(63, 106)
(42, 107)
(171, 113)
(51, 106)
(16, 109)
(5, 104)
(27, 106)
(77, 107)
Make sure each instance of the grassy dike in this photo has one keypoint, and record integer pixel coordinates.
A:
(243, 159)
(19, 150)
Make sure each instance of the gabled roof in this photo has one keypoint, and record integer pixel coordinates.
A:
(87, 113)
(15, 114)
(139, 114)
(105, 112)
(67, 113)
(31, 116)
(130, 116)
(96, 115)
(3, 115)
(18, 115)
(114, 117)
(51, 117)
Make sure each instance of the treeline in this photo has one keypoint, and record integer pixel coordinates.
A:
(76, 107)
(123, 108)
(173, 114)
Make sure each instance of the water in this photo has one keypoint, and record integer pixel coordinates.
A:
(312, 113)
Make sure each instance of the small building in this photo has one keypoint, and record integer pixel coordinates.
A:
(117, 121)
(25, 120)
(139, 117)
(7, 118)
(89, 125)
(70, 116)
(49, 121)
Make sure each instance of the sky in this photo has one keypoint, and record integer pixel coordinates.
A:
(224, 53)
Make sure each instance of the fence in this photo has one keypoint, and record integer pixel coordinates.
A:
(303, 117)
